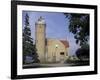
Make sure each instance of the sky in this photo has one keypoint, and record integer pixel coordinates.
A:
(56, 27)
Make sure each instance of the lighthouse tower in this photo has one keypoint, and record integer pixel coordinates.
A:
(40, 36)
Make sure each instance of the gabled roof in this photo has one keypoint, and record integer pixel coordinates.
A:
(65, 42)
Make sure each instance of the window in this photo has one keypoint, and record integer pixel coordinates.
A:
(61, 53)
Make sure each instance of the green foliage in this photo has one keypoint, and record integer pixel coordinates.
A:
(79, 26)
(28, 46)
(85, 46)
(82, 54)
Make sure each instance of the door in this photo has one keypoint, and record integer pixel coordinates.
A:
(62, 55)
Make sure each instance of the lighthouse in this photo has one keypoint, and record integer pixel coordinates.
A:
(40, 35)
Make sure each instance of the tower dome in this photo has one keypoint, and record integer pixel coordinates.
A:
(41, 20)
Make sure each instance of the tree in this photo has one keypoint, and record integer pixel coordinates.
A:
(82, 53)
(28, 46)
(79, 26)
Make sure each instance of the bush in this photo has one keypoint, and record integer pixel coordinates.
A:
(82, 53)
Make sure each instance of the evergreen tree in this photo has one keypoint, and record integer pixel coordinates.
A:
(28, 46)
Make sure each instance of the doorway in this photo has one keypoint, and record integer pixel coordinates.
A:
(62, 55)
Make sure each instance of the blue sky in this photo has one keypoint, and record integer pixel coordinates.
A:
(56, 27)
